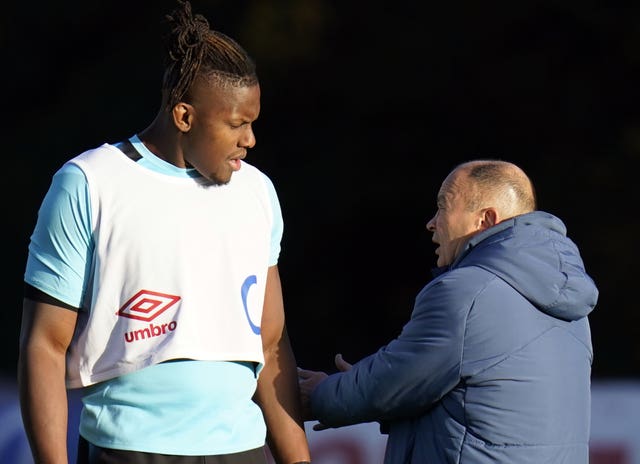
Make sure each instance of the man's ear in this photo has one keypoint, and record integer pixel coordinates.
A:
(489, 218)
(183, 116)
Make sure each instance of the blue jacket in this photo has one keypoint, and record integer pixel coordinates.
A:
(494, 365)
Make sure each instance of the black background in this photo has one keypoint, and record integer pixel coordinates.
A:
(366, 107)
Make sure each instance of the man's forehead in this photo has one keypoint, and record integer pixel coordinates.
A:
(452, 188)
(446, 194)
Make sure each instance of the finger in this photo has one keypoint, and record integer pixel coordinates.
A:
(341, 364)
(304, 373)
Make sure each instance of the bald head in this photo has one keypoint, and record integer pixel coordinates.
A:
(474, 197)
(498, 184)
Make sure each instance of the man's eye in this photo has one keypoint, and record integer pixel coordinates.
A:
(237, 124)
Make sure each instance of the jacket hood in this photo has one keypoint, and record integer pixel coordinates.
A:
(533, 254)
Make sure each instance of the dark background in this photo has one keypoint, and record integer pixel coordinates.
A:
(366, 107)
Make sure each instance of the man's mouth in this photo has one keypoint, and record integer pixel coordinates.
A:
(235, 162)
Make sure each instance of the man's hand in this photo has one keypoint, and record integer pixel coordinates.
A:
(308, 381)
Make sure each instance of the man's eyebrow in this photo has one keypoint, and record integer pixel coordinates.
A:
(442, 198)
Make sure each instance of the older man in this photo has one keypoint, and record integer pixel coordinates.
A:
(494, 364)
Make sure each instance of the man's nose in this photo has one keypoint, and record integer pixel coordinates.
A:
(248, 139)
(431, 224)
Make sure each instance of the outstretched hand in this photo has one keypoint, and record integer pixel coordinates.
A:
(308, 380)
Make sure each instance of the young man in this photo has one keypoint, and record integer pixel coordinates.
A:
(152, 283)
(494, 364)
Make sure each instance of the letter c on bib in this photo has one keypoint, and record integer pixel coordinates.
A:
(248, 282)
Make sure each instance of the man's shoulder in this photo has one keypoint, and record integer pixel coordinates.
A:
(465, 276)
(254, 175)
(462, 283)
(95, 156)
(249, 169)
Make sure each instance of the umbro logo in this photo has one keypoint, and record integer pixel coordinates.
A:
(146, 305)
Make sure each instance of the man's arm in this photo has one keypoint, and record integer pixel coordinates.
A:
(44, 338)
(405, 377)
(277, 392)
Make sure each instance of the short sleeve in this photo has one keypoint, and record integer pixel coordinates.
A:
(61, 247)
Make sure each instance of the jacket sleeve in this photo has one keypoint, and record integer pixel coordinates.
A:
(408, 375)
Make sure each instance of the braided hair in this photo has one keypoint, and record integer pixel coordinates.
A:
(193, 50)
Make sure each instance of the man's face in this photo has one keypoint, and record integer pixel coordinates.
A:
(222, 129)
(453, 224)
